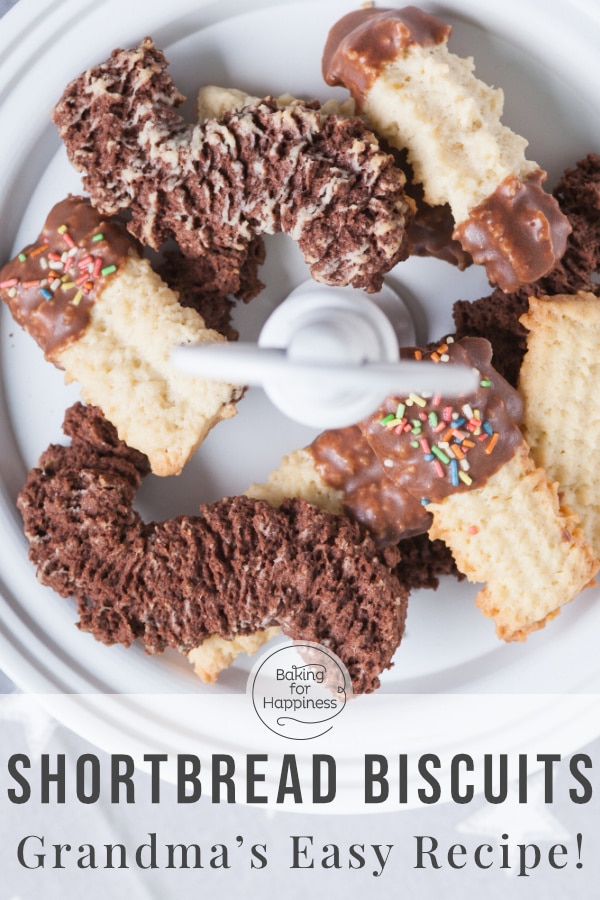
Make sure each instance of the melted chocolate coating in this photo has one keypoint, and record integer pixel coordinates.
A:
(51, 285)
(363, 42)
(518, 232)
(496, 316)
(389, 476)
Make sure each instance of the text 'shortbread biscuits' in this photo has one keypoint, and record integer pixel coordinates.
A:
(101, 313)
(426, 100)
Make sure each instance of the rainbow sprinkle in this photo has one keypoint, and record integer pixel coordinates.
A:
(453, 430)
(63, 271)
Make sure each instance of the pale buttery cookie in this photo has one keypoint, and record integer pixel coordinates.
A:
(214, 101)
(514, 533)
(216, 186)
(460, 470)
(215, 654)
(101, 313)
(426, 100)
(558, 380)
(238, 567)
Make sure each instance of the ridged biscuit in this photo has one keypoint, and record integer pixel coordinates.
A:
(122, 363)
(558, 378)
(215, 187)
(427, 101)
(235, 568)
(512, 534)
(459, 469)
(101, 313)
(296, 477)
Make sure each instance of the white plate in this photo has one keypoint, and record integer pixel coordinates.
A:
(264, 46)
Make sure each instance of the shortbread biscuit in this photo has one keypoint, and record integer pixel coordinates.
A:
(101, 313)
(510, 533)
(513, 534)
(385, 471)
(295, 477)
(429, 231)
(558, 378)
(459, 470)
(236, 568)
(426, 100)
(216, 186)
(214, 101)
(216, 654)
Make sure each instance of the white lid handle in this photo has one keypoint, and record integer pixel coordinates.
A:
(327, 357)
